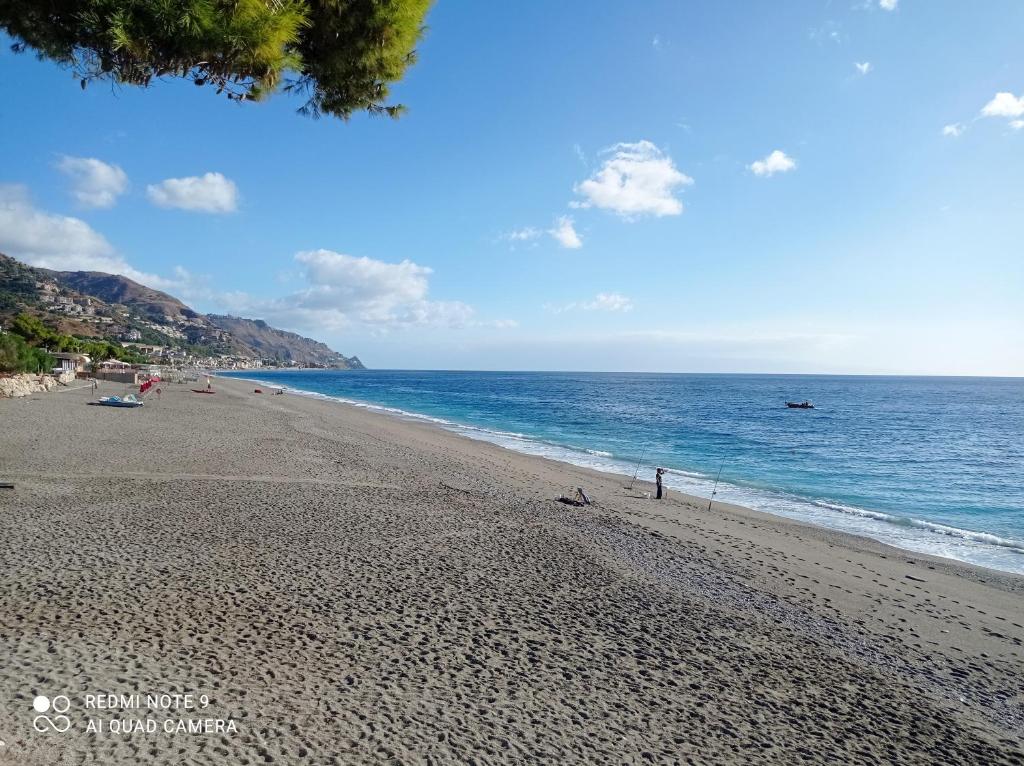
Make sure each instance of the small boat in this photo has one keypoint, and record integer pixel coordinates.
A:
(203, 391)
(800, 405)
(117, 401)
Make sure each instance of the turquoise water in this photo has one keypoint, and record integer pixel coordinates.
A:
(928, 464)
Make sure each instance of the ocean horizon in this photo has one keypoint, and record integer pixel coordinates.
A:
(927, 464)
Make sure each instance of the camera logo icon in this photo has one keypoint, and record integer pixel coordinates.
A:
(58, 722)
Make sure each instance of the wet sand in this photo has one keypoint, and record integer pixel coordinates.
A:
(351, 588)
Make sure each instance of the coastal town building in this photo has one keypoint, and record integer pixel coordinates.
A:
(70, 362)
(115, 364)
(146, 349)
(118, 371)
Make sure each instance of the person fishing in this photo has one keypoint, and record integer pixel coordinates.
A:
(657, 481)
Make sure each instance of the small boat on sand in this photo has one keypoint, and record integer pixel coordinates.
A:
(203, 391)
(117, 401)
(800, 405)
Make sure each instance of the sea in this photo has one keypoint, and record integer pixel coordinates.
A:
(927, 464)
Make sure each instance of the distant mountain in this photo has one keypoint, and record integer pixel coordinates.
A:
(270, 343)
(95, 304)
(112, 288)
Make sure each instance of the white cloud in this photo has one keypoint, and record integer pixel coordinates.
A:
(776, 162)
(209, 193)
(1004, 105)
(45, 239)
(344, 290)
(637, 179)
(954, 130)
(564, 232)
(94, 183)
(1017, 124)
(609, 302)
(58, 242)
(600, 302)
(863, 66)
(525, 234)
(656, 43)
(888, 5)
(341, 290)
(365, 279)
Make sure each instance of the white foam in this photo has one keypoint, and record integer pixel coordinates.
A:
(918, 535)
(942, 529)
(913, 534)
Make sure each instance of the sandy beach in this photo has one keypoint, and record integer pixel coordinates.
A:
(343, 587)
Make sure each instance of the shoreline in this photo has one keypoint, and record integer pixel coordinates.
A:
(350, 585)
(833, 516)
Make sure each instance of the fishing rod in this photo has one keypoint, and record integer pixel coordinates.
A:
(714, 491)
(638, 463)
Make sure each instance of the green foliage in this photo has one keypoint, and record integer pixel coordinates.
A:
(379, 38)
(31, 332)
(8, 303)
(17, 281)
(32, 329)
(17, 356)
(152, 337)
(102, 350)
(342, 54)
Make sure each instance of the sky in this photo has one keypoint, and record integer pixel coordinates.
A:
(799, 187)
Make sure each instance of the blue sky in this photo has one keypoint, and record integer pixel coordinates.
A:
(655, 186)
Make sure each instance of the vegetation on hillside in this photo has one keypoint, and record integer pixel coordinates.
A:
(18, 356)
(341, 56)
(17, 284)
(81, 307)
(26, 346)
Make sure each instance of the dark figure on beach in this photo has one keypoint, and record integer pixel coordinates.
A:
(95, 384)
(657, 481)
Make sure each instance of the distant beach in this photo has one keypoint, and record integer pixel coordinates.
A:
(347, 587)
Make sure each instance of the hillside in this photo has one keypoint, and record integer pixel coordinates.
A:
(269, 342)
(17, 284)
(112, 288)
(112, 307)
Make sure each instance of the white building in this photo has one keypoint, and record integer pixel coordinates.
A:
(70, 362)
